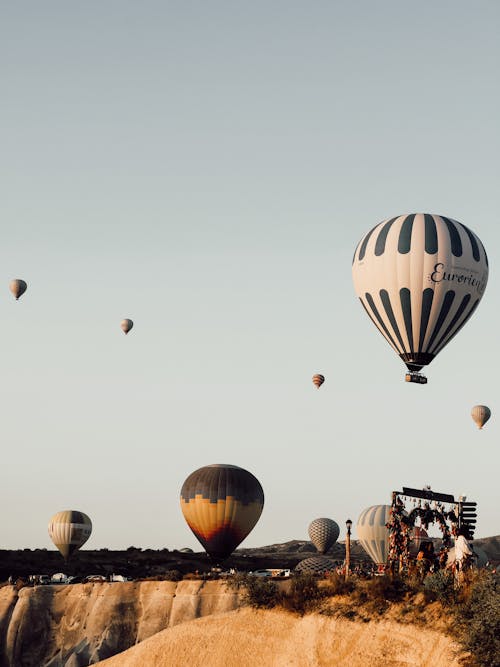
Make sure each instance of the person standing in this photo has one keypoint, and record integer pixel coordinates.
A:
(462, 549)
(463, 554)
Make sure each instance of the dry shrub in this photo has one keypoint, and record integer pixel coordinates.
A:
(381, 589)
(237, 581)
(304, 596)
(440, 586)
(414, 584)
(377, 594)
(478, 619)
(337, 585)
(259, 592)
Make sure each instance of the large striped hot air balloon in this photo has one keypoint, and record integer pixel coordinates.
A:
(69, 530)
(419, 277)
(372, 533)
(221, 504)
(480, 414)
(323, 533)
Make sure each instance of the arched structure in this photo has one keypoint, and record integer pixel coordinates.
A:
(430, 508)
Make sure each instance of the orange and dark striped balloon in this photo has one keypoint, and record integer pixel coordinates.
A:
(221, 504)
(318, 380)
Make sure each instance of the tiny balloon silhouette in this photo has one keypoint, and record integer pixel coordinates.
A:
(126, 325)
(18, 287)
(318, 380)
(480, 414)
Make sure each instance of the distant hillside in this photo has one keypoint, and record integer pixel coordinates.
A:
(138, 563)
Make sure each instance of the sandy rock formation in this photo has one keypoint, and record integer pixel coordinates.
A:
(249, 638)
(72, 626)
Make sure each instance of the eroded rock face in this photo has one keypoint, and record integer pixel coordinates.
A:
(77, 625)
(258, 638)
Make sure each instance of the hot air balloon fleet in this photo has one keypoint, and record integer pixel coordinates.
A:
(419, 278)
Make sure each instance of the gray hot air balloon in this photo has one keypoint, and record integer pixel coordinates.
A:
(316, 565)
(69, 530)
(126, 325)
(18, 287)
(372, 533)
(323, 533)
(419, 277)
(480, 414)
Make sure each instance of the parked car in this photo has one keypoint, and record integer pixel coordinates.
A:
(271, 572)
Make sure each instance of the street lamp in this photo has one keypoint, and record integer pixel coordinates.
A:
(348, 524)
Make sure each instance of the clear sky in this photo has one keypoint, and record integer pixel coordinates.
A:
(207, 169)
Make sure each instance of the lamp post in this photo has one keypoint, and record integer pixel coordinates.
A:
(348, 524)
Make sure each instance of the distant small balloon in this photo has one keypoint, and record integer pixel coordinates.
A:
(323, 533)
(126, 325)
(18, 287)
(480, 414)
(318, 380)
(69, 530)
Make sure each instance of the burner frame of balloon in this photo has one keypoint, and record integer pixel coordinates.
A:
(413, 376)
(427, 506)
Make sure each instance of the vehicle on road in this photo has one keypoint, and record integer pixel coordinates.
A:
(271, 572)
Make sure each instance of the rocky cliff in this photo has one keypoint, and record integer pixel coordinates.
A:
(249, 638)
(72, 626)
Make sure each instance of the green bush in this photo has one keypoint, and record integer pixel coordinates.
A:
(478, 621)
(440, 586)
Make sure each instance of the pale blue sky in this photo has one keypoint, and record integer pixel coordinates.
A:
(207, 170)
